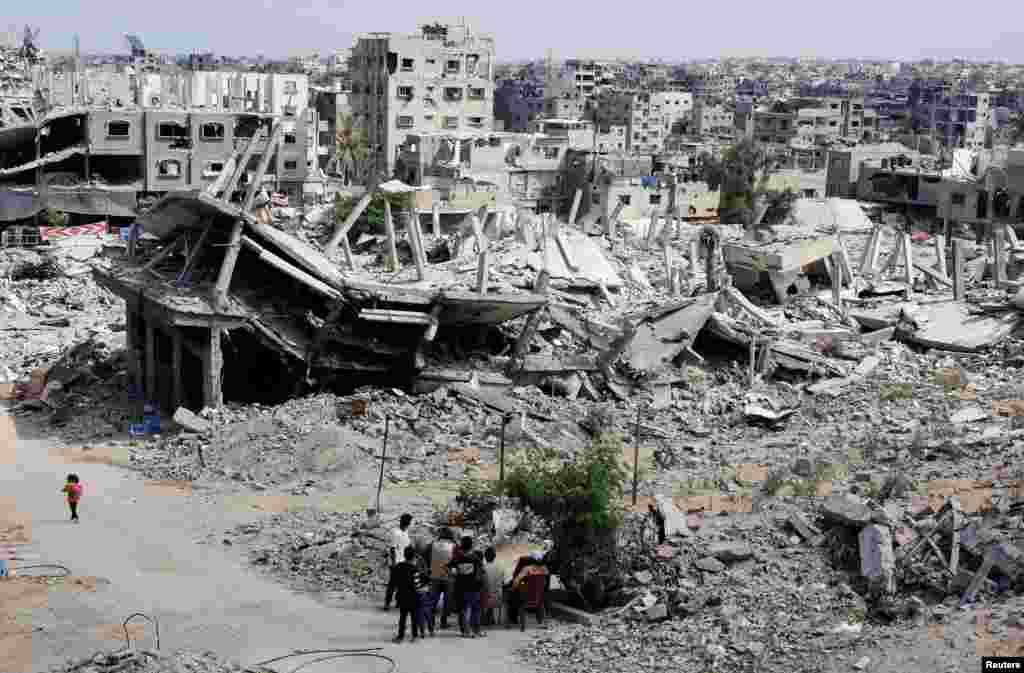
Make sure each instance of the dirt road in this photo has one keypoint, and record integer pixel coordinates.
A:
(144, 546)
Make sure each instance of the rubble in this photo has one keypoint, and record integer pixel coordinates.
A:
(150, 661)
(859, 440)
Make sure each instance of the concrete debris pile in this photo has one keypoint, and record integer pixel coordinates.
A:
(45, 305)
(339, 555)
(731, 593)
(445, 435)
(150, 661)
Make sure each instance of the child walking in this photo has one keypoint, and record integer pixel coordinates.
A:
(74, 490)
(423, 602)
(405, 576)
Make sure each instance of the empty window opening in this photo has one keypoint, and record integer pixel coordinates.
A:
(289, 139)
(405, 92)
(625, 199)
(291, 87)
(451, 122)
(213, 169)
(404, 122)
(168, 168)
(476, 121)
(291, 165)
(118, 129)
(171, 131)
(476, 93)
(655, 199)
(451, 67)
(212, 131)
(452, 94)
(408, 64)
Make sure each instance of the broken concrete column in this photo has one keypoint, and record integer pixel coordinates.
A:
(877, 560)
(675, 520)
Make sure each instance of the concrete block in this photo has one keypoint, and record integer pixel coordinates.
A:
(877, 560)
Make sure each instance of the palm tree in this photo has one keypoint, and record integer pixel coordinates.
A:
(350, 145)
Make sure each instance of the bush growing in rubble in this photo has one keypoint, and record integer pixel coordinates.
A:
(581, 500)
(374, 213)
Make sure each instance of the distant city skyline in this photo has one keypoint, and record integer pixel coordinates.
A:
(529, 29)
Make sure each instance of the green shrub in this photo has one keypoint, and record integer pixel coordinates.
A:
(374, 213)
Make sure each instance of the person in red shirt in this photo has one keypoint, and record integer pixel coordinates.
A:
(74, 490)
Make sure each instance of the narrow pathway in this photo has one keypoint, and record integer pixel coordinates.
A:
(204, 600)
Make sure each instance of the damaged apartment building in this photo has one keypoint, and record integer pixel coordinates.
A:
(438, 80)
(102, 159)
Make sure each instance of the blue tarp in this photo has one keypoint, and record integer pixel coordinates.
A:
(649, 182)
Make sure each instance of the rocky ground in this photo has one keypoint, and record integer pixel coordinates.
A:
(150, 661)
(803, 511)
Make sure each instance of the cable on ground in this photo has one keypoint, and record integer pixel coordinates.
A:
(45, 565)
(261, 666)
(373, 655)
(152, 620)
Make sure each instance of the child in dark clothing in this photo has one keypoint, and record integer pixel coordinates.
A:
(405, 578)
(423, 600)
(73, 488)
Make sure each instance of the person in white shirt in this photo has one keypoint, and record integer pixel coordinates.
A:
(396, 553)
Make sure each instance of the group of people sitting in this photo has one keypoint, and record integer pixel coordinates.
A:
(450, 577)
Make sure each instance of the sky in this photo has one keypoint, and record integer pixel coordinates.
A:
(671, 30)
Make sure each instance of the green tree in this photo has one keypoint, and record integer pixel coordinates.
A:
(739, 174)
(350, 145)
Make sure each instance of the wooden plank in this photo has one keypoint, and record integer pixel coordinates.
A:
(835, 273)
(670, 280)
(227, 267)
(999, 263)
(611, 224)
(575, 206)
(418, 258)
(958, 269)
(213, 364)
(867, 260)
(394, 316)
(242, 163)
(478, 233)
(954, 554)
(908, 261)
(482, 271)
(1011, 237)
(979, 577)
(392, 246)
(217, 186)
(342, 229)
(288, 269)
(932, 273)
(165, 253)
(940, 253)
(844, 264)
(563, 247)
(652, 230)
(694, 249)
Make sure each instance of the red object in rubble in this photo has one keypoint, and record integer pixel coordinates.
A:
(919, 237)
